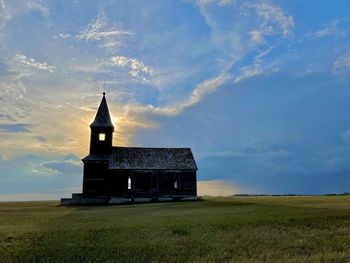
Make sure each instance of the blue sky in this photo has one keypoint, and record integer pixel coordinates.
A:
(258, 89)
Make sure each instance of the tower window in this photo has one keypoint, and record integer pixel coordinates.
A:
(102, 137)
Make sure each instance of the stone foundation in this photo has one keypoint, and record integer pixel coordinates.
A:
(78, 199)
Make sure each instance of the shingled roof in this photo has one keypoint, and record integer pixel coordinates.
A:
(102, 119)
(133, 158)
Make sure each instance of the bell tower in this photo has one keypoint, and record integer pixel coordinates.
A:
(101, 138)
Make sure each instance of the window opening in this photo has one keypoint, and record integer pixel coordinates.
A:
(175, 184)
(129, 183)
(102, 137)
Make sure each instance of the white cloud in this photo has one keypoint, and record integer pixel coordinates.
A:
(100, 30)
(273, 20)
(119, 68)
(40, 7)
(62, 35)
(328, 29)
(272, 16)
(63, 167)
(203, 3)
(341, 67)
(247, 72)
(264, 19)
(337, 28)
(254, 22)
(134, 116)
(257, 37)
(4, 14)
(31, 62)
(217, 188)
(135, 67)
(205, 88)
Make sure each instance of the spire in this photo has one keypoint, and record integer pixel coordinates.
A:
(102, 119)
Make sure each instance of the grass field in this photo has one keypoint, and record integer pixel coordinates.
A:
(234, 229)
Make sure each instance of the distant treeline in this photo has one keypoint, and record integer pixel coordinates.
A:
(345, 193)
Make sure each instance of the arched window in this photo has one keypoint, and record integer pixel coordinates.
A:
(129, 183)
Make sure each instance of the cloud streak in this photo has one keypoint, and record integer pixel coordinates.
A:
(334, 28)
(274, 20)
(40, 7)
(341, 67)
(15, 128)
(109, 36)
(32, 63)
(4, 14)
(63, 167)
(136, 68)
(202, 90)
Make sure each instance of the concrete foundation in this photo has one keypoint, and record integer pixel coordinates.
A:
(117, 200)
(78, 199)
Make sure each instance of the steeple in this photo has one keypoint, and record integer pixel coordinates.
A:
(102, 129)
(102, 118)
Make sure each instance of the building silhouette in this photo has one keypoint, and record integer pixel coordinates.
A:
(115, 174)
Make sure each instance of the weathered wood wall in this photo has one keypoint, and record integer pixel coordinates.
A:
(100, 181)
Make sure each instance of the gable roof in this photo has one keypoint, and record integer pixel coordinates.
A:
(102, 118)
(137, 158)
(96, 157)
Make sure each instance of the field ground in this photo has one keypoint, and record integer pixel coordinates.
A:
(232, 229)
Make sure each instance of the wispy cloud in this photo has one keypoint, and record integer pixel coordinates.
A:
(39, 6)
(4, 14)
(6, 117)
(40, 138)
(63, 35)
(341, 67)
(155, 68)
(258, 27)
(135, 67)
(273, 20)
(203, 3)
(15, 127)
(31, 62)
(101, 30)
(266, 18)
(205, 88)
(336, 28)
(247, 72)
(328, 29)
(128, 77)
(63, 167)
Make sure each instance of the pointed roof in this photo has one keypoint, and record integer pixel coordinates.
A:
(102, 119)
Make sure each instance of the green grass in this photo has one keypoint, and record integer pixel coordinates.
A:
(235, 229)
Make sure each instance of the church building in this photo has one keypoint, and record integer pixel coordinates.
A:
(114, 174)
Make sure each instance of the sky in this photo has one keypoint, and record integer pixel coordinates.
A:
(259, 89)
